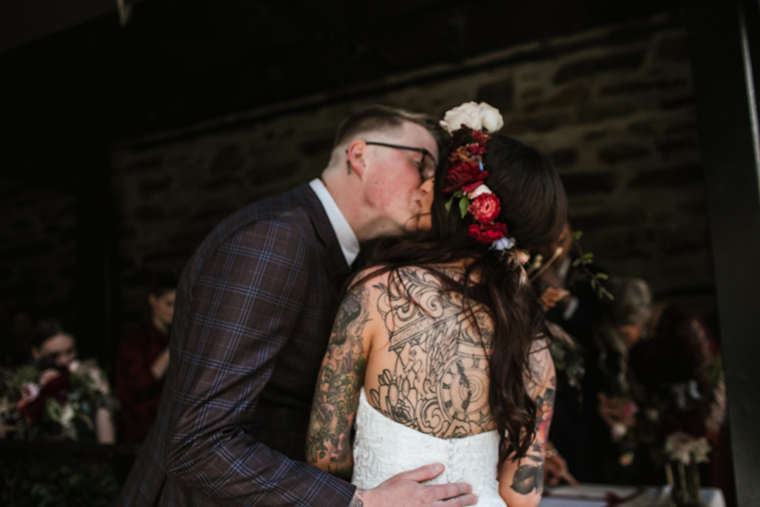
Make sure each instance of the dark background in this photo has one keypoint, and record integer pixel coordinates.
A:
(75, 81)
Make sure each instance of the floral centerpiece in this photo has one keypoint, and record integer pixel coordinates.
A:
(40, 401)
(684, 453)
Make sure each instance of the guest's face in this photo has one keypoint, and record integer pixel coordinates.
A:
(631, 334)
(394, 185)
(163, 308)
(61, 348)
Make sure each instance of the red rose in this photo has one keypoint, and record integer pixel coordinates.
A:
(462, 173)
(480, 137)
(476, 149)
(485, 208)
(466, 135)
(470, 187)
(488, 233)
(57, 388)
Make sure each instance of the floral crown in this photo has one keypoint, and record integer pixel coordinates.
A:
(468, 125)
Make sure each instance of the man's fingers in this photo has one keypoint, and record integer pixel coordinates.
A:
(445, 491)
(459, 501)
(423, 473)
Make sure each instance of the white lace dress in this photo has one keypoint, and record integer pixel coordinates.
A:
(384, 448)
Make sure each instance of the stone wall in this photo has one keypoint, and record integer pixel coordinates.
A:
(37, 246)
(613, 108)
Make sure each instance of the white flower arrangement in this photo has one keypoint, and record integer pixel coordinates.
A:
(475, 116)
(52, 403)
(686, 449)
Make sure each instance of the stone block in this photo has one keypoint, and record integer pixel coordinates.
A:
(678, 102)
(594, 135)
(622, 152)
(144, 165)
(547, 121)
(668, 178)
(222, 182)
(621, 61)
(149, 188)
(572, 95)
(228, 159)
(673, 147)
(317, 147)
(593, 225)
(588, 183)
(274, 173)
(694, 207)
(599, 112)
(645, 86)
(500, 95)
(673, 48)
(35, 248)
(564, 157)
(149, 213)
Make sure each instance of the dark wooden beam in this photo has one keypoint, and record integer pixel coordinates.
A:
(723, 42)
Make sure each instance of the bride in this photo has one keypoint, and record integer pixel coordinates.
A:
(436, 353)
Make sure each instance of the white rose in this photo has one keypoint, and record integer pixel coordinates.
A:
(67, 415)
(468, 114)
(481, 189)
(678, 446)
(490, 117)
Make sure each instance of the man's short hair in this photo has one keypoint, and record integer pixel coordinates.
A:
(379, 118)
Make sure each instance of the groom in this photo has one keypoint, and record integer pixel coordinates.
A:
(253, 315)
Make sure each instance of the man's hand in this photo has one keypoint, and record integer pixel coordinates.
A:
(404, 490)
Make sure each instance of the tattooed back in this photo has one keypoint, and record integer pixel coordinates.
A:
(428, 367)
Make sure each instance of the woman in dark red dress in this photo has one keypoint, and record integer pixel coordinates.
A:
(142, 363)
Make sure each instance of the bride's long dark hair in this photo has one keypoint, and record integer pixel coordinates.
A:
(534, 207)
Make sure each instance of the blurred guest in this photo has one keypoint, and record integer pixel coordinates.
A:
(54, 349)
(571, 455)
(142, 361)
(663, 373)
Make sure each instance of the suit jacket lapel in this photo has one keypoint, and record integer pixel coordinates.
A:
(337, 268)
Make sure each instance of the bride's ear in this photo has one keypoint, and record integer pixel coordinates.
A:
(356, 157)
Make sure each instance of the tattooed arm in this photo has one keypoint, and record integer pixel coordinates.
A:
(521, 482)
(328, 442)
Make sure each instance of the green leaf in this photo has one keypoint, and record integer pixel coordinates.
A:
(448, 204)
(602, 276)
(463, 204)
(577, 235)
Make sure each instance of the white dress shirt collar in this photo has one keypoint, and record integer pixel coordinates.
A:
(349, 243)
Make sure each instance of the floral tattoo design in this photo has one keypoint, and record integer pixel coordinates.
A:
(439, 382)
(338, 387)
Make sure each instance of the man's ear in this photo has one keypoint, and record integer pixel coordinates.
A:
(356, 157)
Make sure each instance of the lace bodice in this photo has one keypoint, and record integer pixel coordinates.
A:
(384, 448)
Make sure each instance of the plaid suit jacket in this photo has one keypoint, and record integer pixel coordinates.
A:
(253, 316)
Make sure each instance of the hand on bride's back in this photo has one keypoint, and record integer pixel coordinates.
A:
(404, 490)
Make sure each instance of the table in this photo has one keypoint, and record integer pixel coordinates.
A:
(597, 495)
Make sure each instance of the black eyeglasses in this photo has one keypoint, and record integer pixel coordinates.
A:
(427, 171)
